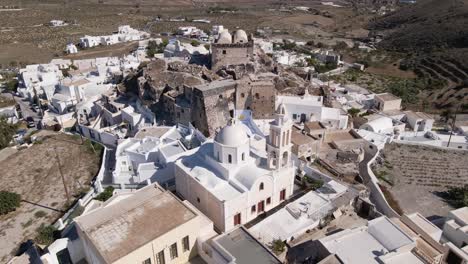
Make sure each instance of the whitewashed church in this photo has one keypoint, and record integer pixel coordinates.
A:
(232, 183)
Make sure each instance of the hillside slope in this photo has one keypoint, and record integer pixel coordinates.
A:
(434, 36)
(427, 25)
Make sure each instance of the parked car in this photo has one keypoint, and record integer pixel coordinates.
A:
(30, 122)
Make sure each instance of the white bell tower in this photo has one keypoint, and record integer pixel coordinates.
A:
(279, 142)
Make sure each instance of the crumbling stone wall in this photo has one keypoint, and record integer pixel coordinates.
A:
(212, 109)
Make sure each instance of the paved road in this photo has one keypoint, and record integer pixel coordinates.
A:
(26, 108)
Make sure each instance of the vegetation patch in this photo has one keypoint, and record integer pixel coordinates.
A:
(277, 246)
(9, 202)
(46, 234)
(106, 194)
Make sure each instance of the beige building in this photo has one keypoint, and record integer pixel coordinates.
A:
(150, 226)
(387, 102)
(304, 146)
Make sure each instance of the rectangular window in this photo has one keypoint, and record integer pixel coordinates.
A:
(253, 209)
(186, 244)
(261, 206)
(237, 219)
(283, 195)
(160, 258)
(294, 116)
(173, 251)
(269, 200)
(147, 261)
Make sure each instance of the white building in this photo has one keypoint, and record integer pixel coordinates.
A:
(187, 31)
(151, 155)
(175, 48)
(309, 108)
(36, 78)
(57, 23)
(71, 48)
(125, 33)
(456, 228)
(90, 41)
(230, 182)
(10, 113)
(265, 45)
(381, 241)
(300, 215)
(419, 121)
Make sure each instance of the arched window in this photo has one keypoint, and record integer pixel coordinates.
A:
(261, 186)
(243, 156)
(230, 158)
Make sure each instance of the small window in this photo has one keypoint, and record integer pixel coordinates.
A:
(243, 156)
(237, 219)
(224, 52)
(261, 206)
(198, 199)
(173, 251)
(242, 95)
(186, 244)
(160, 258)
(257, 96)
(253, 209)
(294, 116)
(220, 96)
(261, 186)
(229, 158)
(283, 195)
(268, 201)
(146, 261)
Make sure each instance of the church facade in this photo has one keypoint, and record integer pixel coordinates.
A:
(232, 183)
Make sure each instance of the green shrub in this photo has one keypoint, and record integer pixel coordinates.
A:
(9, 202)
(106, 194)
(277, 246)
(353, 112)
(45, 235)
(40, 214)
(458, 196)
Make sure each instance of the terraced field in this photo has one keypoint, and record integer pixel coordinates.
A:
(420, 173)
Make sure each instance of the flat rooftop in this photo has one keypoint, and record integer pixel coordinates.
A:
(297, 138)
(367, 244)
(461, 214)
(314, 125)
(245, 248)
(152, 132)
(387, 97)
(118, 229)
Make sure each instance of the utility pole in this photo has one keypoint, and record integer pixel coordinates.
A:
(61, 174)
(453, 125)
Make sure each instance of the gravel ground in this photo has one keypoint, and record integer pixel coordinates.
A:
(34, 174)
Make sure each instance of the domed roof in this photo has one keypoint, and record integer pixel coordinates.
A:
(224, 38)
(232, 135)
(240, 36)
